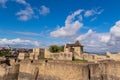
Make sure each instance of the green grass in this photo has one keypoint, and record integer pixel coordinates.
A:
(79, 60)
(5, 54)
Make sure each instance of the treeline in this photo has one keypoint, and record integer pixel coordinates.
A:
(55, 48)
(5, 53)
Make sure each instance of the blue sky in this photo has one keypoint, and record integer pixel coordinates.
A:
(41, 23)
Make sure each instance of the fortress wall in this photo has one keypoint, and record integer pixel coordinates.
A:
(53, 70)
(9, 72)
(115, 57)
(2, 72)
(12, 73)
(61, 56)
(58, 56)
(105, 71)
(61, 70)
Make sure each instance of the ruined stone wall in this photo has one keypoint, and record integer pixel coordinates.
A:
(61, 56)
(9, 72)
(2, 72)
(105, 71)
(53, 70)
(61, 70)
(78, 50)
(12, 73)
(47, 53)
(66, 50)
(21, 56)
(58, 56)
(94, 57)
(115, 57)
(88, 57)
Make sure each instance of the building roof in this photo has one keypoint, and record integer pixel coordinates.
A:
(76, 44)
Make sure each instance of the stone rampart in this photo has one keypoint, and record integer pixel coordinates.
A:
(60, 70)
(53, 70)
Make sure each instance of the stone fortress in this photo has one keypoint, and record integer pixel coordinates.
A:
(33, 66)
(70, 51)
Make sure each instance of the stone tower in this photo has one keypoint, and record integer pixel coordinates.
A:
(77, 48)
(38, 53)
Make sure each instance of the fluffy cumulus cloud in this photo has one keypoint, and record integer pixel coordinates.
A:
(44, 10)
(93, 42)
(105, 37)
(73, 23)
(115, 36)
(84, 36)
(19, 42)
(115, 30)
(3, 3)
(101, 42)
(93, 12)
(28, 12)
(71, 26)
(25, 14)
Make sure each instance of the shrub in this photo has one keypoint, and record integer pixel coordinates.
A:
(55, 48)
(79, 60)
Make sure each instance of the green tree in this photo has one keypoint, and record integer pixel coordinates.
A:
(61, 48)
(5, 53)
(55, 48)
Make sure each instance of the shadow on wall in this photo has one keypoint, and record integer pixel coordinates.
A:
(36, 73)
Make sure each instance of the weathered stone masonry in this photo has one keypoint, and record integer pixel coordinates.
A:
(61, 70)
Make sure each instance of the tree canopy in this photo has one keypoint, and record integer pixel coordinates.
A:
(5, 53)
(55, 48)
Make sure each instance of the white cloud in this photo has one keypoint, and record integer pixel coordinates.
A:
(115, 35)
(44, 10)
(19, 42)
(101, 42)
(73, 23)
(26, 14)
(29, 12)
(105, 38)
(93, 42)
(22, 2)
(115, 30)
(93, 12)
(28, 33)
(3, 3)
(84, 36)
(71, 26)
